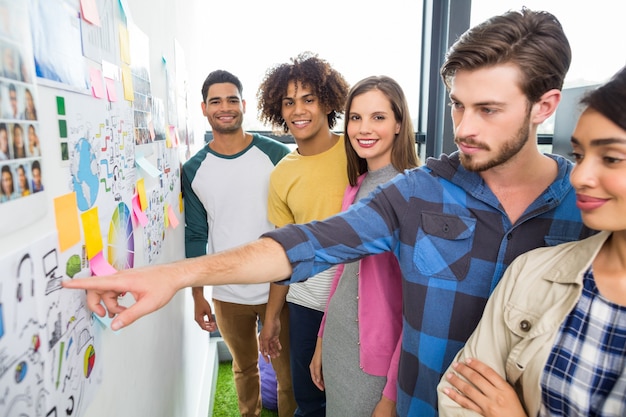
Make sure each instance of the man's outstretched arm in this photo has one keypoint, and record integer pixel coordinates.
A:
(263, 260)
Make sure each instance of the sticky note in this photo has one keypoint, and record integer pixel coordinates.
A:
(62, 128)
(127, 83)
(172, 217)
(89, 11)
(168, 140)
(97, 88)
(60, 106)
(141, 191)
(141, 216)
(147, 166)
(110, 87)
(124, 44)
(91, 231)
(100, 266)
(67, 223)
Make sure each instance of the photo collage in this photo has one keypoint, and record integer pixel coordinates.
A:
(20, 150)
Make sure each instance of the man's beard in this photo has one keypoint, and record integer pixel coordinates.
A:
(508, 150)
(224, 129)
(227, 129)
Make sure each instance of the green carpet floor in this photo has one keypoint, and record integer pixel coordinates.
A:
(226, 395)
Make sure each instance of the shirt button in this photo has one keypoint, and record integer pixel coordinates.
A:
(525, 325)
(509, 236)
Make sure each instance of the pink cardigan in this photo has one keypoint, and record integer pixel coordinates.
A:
(380, 310)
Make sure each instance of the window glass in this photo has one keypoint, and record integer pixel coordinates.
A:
(594, 29)
(358, 38)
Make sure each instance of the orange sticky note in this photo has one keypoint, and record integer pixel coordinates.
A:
(141, 190)
(89, 10)
(66, 217)
(111, 93)
(180, 202)
(172, 216)
(127, 82)
(97, 89)
(91, 230)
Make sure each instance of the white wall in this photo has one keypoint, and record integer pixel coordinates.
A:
(160, 366)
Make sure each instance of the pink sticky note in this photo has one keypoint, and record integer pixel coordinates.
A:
(141, 216)
(111, 92)
(172, 216)
(100, 266)
(95, 76)
(89, 11)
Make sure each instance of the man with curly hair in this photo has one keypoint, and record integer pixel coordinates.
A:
(305, 98)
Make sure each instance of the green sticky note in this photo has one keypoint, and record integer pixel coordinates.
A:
(60, 105)
(62, 128)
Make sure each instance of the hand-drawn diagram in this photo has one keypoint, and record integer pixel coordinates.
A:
(102, 169)
(154, 231)
(48, 341)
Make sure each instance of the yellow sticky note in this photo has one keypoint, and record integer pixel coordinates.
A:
(127, 82)
(66, 216)
(141, 190)
(91, 230)
(180, 202)
(166, 215)
(168, 140)
(124, 44)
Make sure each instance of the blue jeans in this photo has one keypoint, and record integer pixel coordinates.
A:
(304, 323)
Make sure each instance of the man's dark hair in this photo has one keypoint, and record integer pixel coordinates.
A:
(217, 77)
(533, 41)
(326, 83)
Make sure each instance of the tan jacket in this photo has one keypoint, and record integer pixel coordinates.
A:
(522, 317)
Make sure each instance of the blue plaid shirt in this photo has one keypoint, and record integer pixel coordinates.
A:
(453, 240)
(586, 372)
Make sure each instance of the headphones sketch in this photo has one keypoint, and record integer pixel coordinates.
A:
(20, 284)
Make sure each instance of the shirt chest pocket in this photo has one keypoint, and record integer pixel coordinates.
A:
(443, 245)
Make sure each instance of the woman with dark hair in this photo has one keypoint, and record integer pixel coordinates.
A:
(19, 147)
(7, 187)
(552, 339)
(5, 153)
(22, 181)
